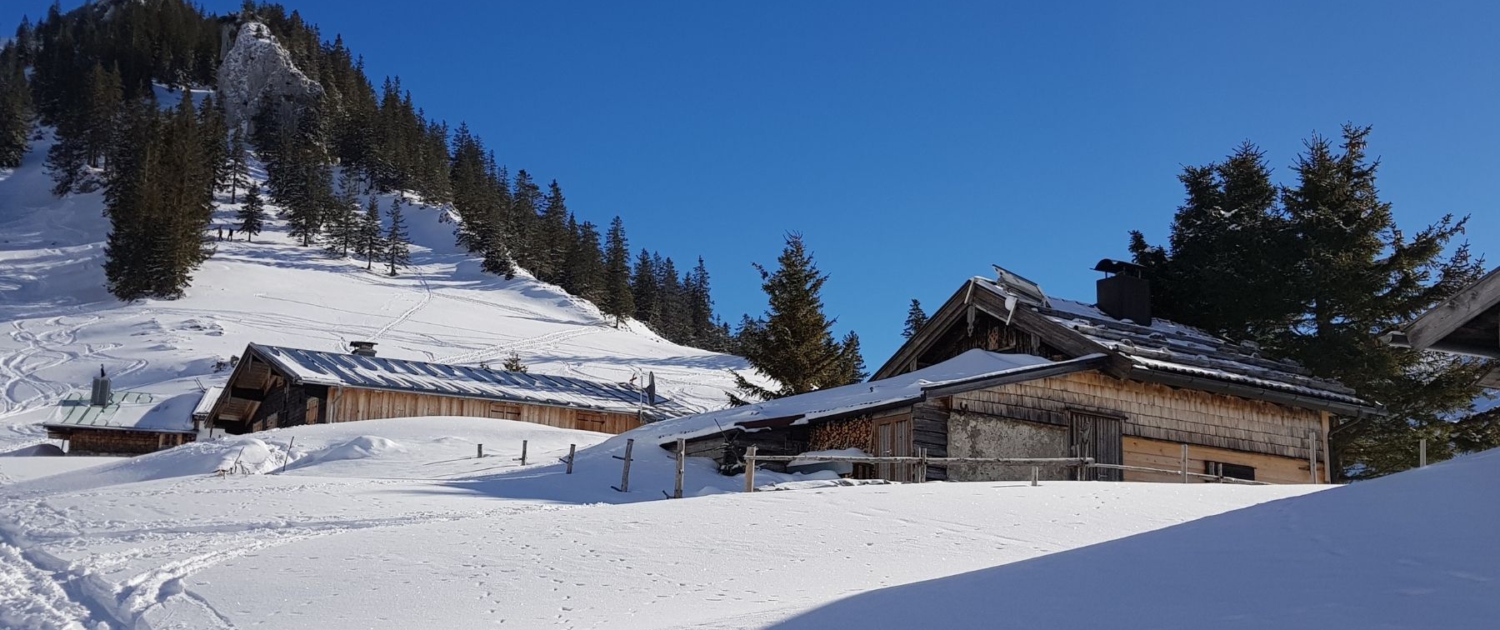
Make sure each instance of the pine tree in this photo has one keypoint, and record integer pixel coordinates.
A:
(252, 213)
(341, 230)
(239, 163)
(554, 237)
(704, 332)
(673, 302)
(793, 343)
(851, 364)
(1317, 274)
(526, 201)
(513, 364)
(643, 289)
(132, 203)
(585, 265)
(15, 103)
(371, 244)
(397, 241)
(916, 318)
(619, 302)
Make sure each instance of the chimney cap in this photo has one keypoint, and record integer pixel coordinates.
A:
(1120, 268)
(363, 348)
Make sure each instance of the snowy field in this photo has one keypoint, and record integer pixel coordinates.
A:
(397, 523)
(61, 324)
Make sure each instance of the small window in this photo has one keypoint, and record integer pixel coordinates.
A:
(505, 411)
(1232, 471)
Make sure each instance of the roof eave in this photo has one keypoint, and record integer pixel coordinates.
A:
(1202, 383)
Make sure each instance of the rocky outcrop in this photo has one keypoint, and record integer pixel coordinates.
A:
(256, 69)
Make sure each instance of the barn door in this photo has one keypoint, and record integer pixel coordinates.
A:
(1098, 437)
(892, 438)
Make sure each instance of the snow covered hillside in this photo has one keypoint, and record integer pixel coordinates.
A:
(396, 523)
(62, 324)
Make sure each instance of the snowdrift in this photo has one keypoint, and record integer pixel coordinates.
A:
(1414, 550)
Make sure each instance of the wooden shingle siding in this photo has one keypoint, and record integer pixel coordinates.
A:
(1154, 412)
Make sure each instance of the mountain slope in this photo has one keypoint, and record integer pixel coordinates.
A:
(62, 324)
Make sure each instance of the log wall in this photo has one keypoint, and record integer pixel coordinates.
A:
(1154, 412)
(349, 405)
(1159, 454)
(115, 442)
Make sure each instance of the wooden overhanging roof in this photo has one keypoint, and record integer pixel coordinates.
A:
(340, 369)
(1164, 352)
(1467, 324)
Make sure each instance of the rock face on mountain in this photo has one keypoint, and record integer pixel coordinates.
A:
(257, 68)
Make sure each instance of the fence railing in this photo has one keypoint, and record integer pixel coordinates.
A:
(921, 461)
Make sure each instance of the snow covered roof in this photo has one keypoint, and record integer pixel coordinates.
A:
(349, 370)
(1184, 351)
(975, 369)
(126, 411)
(206, 402)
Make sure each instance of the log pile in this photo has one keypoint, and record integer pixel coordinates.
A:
(833, 436)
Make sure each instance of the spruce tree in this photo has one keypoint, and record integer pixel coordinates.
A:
(15, 105)
(252, 212)
(132, 203)
(704, 332)
(371, 244)
(585, 265)
(673, 302)
(239, 163)
(793, 342)
(513, 364)
(643, 289)
(1317, 273)
(554, 237)
(916, 318)
(397, 242)
(851, 364)
(341, 230)
(619, 302)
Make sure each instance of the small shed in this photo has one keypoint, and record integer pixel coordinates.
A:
(127, 423)
(274, 386)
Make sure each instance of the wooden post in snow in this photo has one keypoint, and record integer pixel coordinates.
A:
(1184, 463)
(572, 448)
(1422, 455)
(288, 456)
(480, 454)
(625, 474)
(681, 466)
(922, 467)
(523, 452)
(750, 469)
(1036, 473)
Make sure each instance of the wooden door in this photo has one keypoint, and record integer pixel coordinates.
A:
(892, 438)
(1099, 437)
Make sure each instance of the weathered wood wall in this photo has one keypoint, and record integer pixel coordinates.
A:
(114, 442)
(1168, 455)
(1155, 412)
(350, 405)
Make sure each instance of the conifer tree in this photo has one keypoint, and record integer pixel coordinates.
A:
(554, 237)
(1325, 271)
(851, 364)
(397, 242)
(700, 307)
(238, 163)
(619, 302)
(793, 342)
(15, 104)
(371, 244)
(252, 213)
(916, 318)
(672, 301)
(132, 204)
(526, 202)
(341, 230)
(585, 265)
(643, 289)
(513, 364)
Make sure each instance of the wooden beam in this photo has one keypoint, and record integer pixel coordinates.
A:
(246, 393)
(1447, 317)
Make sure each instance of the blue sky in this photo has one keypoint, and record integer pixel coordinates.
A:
(914, 144)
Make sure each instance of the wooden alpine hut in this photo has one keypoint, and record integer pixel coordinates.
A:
(281, 387)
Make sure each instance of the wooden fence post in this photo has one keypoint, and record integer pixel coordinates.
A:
(922, 467)
(1036, 473)
(572, 448)
(750, 469)
(625, 475)
(523, 452)
(1184, 463)
(288, 456)
(1312, 454)
(681, 466)
(481, 452)
(1422, 455)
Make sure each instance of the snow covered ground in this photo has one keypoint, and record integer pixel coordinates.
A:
(62, 324)
(397, 523)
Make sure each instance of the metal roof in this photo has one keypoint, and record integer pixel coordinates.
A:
(126, 411)
(349, 370)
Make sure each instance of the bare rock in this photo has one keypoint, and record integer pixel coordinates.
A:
(257, 68)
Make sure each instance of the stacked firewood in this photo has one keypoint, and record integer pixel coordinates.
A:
(833, 436)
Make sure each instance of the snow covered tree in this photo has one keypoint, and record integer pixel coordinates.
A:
(397, 242)
(619, 302)
(15, 105)
(252, 213)
(793, 342)
(916, 318)
(513, 364)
